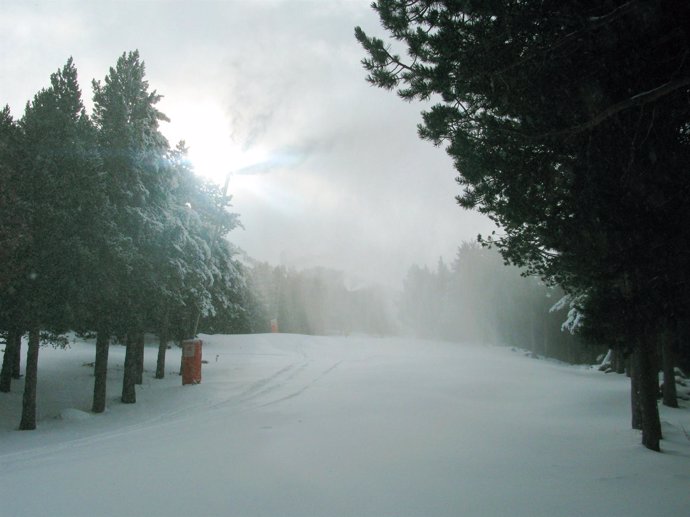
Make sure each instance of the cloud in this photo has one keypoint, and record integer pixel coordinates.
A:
(332, 171)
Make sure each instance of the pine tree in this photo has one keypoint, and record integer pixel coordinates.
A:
(133, 153)
(13, 237)
(568, 126)
(57, 171)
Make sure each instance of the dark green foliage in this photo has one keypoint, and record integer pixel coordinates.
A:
(56, 187)
(13, 219)
(539, 113)
(133, 154)
(59, 183)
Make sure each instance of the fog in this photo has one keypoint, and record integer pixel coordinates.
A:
(325, 170)
(350, 222)
(474, 298)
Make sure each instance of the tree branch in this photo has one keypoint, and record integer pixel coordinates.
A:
(635, 100)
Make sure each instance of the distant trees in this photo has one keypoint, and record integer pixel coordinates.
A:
(318, 301)
(569, 126)
(105, 229)
(479, 299)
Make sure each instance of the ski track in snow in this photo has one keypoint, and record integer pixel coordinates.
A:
(384, 431)
(303, 388)
(252, 397)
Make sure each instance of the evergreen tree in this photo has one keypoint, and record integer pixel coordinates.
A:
(568, 126)
(13, 237)
(207, 280)
(58, 170)
(104, 228)
(133, 152)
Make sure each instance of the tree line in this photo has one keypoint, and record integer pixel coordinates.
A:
(569, 126)
(318, 301)
(105, 229)
(478, 299)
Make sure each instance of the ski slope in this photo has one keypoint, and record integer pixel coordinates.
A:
(290, 425)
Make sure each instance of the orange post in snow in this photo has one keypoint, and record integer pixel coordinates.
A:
(191, 361)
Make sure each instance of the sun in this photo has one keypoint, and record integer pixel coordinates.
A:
(206, 130)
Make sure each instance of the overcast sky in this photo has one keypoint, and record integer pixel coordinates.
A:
(326, 169)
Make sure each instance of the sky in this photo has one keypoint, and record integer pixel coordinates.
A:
(324, 169)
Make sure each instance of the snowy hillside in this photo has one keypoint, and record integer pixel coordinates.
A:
(290, 425)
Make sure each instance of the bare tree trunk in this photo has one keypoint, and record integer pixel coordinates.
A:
(100, 371)
(28, 421)
(195, 323)
(645, 366)
(129, 394)
(17, 364)
(8, 362)
(636, 410)
(162, 349)
(619, 361)
(181, 337)
(534, 342)
(139, 374)
(670, 397)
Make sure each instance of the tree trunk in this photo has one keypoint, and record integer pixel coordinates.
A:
(17, 364)
(100, 371)
(195, 323)
(8, 362)
(619, 361)
(636, 422)
(129, 395)
(139, 339)
(28, 421)
(180, 339)
(162, 349)
(670, 397)
(648, 379)
(533, 334)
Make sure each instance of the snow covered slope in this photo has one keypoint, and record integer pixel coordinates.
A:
(288, 425)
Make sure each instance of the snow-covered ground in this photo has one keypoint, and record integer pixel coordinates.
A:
(288, 425)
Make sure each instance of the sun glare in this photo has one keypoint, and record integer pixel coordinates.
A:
(207, 132)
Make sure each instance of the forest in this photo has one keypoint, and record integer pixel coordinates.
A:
(106, 230)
